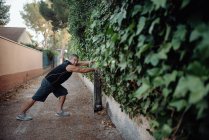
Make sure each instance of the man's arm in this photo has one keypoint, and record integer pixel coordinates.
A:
(72, 68)
(83, 63)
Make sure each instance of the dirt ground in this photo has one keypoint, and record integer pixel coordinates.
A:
(82, 124)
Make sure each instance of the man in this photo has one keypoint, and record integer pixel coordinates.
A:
(52, 83)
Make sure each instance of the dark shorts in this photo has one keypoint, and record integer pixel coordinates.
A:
(46, 88)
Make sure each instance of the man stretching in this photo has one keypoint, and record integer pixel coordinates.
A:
(52, 83)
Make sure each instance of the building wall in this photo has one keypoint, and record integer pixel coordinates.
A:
(17, 64)
(24, 38)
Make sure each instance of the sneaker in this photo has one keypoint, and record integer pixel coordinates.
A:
(62, 114)
(23, 117)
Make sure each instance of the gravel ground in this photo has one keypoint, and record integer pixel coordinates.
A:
(82, 124)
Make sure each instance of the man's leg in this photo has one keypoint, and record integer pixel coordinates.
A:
(61, 103)
(27, 105)
(41, 94)
(61, 92)
(60, 111)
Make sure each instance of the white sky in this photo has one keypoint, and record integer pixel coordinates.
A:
(15, 17)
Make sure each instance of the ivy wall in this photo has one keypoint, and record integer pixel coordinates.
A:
(154, 56)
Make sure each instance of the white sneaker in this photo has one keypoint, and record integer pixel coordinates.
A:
(23, 117)
(62, 114)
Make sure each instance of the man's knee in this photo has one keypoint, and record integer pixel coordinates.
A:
(32, 100)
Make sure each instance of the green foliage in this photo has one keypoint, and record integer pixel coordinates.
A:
(34, 46)
(50, 54)
(154, 57)
(58, 16)
(32, 17)
(79, 13)
(4, 13)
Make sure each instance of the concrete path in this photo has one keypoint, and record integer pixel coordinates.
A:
(83, 124)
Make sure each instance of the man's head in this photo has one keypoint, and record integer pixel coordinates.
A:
(74, 59)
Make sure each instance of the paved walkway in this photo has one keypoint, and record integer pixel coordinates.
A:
(83, 124)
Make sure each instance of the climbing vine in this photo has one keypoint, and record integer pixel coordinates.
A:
(154, 56)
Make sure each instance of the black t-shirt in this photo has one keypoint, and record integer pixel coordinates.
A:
(59, 74)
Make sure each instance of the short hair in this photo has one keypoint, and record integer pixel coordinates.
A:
(73, 55)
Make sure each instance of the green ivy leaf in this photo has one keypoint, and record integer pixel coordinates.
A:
(148, 8)
(194, 35)
(125, 35)
(195, 68)
(170, 77)
(152, 58)
(201, 107)
(140, 25)
(168, 30)
(164, 49)
(121, 15)
(143, 89)
(112, 66)
(155, 106)
(154, 124)
(122, 65)
(197, 89)
(156, 21)
(114, 37)
(166, 92)
(193, 85)
(113, 88)
(142, 49)
(179, 36)
(184, 3)
(137, 9)
(158, 81)
(131, 76)
(146, 106)
(159, 3)
(176, 43)
(166, 130)
(131, 39)
(95, 38)
(153, 71)
(93, 25)
(141, 39)
(179, 104)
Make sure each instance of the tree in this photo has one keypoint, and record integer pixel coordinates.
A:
(34, 20)
(4, 13)
(55, 11)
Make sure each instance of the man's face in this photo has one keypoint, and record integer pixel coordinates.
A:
(74, 60)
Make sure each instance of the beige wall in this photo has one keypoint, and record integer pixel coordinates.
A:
(24, 38)
(16, 58)
(18, 64)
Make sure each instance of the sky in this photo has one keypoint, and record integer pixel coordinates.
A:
(15, 17)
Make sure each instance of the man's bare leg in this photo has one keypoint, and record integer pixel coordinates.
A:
(60, 111)
(24, 108)
(27, 105)
(61, 103)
